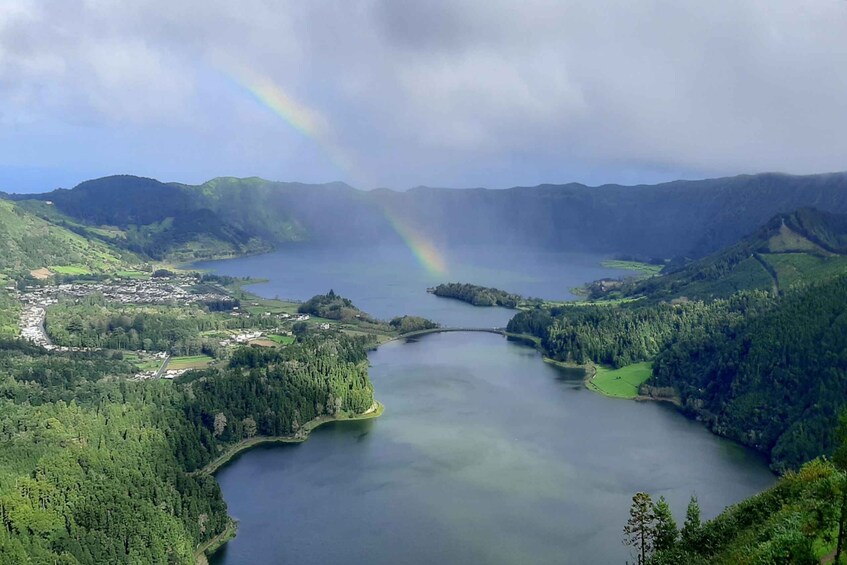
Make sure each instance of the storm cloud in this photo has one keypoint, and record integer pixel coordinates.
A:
(473, 93)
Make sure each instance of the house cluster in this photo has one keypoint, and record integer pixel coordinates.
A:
(174, 373)
(241, 338)
(32, 325)
(152, 291)
(36, 299)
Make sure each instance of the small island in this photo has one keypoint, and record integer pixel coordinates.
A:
(409, 324)
(477, 295)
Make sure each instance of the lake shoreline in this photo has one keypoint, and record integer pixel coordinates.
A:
(212, 547)
(375, 411)
(216, 543)
(591, 372)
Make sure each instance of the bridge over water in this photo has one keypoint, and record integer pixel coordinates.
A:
(499, 331)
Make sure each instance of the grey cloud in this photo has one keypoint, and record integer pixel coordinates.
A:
(435, 92)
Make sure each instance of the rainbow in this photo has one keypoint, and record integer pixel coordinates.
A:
(312, 124)
(430, 258)
(307, 121)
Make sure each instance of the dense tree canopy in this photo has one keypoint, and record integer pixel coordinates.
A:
(98, 469)
(406, 324)
(94, 322)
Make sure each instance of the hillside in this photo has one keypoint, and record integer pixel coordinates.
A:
(757, 353)
(791, 248)
(795, 521)
(680, 218)
(773, 379)
(99, 468)
(145, 216)
(29, 243)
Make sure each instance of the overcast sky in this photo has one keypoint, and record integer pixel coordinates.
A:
(436, 92)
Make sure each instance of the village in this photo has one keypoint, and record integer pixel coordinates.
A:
(36, 299)
(178, 290)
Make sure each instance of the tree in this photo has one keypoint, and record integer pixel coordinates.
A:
(249, 426)
(691, 526)
(220, 423)
(299, 328)
(666, 533)
(640, 529)
(839, 459)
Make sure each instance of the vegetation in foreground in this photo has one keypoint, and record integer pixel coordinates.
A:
(800, 520)
(98, 468)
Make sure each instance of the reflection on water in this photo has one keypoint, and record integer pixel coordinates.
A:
(485, 454)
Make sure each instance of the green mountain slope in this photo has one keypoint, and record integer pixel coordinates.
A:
(692, 218)
(791, 248)
(145, 216)
(775, 380)
(28, 242)
(793, 522)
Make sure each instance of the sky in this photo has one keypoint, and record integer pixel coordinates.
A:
(395, 93)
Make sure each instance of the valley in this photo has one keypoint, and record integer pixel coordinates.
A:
(379, 283)
(203, 361)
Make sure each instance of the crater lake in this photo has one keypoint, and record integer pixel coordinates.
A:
(485, 453)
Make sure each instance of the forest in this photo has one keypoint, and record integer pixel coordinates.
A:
(796, 521)
(94, 322)
(98, 469)
(407, 324)
(764, 370)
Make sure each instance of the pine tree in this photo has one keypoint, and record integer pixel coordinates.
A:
(691, 527)
(666, 533)
(640, 529)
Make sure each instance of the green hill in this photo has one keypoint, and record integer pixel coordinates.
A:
(29, 243)
(773, 379)
(795, 522)
(227, 215)
(147, 217)
(791, 248)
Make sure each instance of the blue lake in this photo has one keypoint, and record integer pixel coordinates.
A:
(485, 453)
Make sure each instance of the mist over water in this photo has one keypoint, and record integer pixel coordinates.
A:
(485, 454)
(387, 281)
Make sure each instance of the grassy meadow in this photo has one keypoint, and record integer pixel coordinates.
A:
(623, 382)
